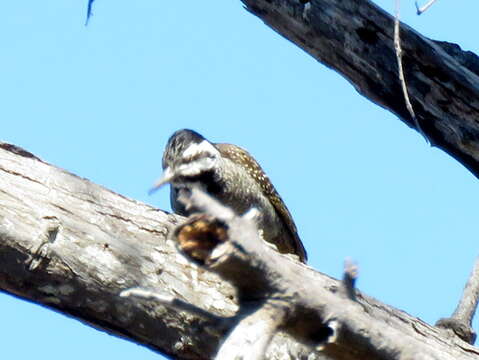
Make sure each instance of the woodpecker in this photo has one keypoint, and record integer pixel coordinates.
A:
(231, 175)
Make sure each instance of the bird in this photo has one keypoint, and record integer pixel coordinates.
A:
(231, 175)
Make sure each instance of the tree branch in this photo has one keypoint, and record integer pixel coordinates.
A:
(350, 275)
(402, 79)
(424, 8)
(73, 246)
(89, 11)
(356, 38)
(461, 320)
(88, 244)
(278, 285)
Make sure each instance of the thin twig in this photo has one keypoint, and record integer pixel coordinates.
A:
(420, 10)
(402, 79)
(89, 12)
(350, 276)
(461, 320)
(467, 306)
(203, 202)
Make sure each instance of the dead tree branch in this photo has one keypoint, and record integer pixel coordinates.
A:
(89, 11)
(424, 8)
(356, 38)
(279, 292)
(461, 320)
(74, 246)
(402, 79)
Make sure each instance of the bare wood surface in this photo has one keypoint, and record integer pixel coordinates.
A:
(356, 38)
(73, 246)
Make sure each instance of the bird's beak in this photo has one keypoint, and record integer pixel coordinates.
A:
(165, 178)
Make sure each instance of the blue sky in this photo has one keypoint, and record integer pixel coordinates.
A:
(102, 100)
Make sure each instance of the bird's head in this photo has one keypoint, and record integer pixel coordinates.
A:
(188, 155)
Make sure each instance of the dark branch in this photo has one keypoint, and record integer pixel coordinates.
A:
(356, 38)
(89, 11)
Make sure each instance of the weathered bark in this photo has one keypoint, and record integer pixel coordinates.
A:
(275, 292)
(71, 245)
(356, 39)
(461, 320)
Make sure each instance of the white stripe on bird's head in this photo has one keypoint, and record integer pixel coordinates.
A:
(200, 150)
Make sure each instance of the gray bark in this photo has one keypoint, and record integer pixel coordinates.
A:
(73, 246)
(356, 38)
(279, 292)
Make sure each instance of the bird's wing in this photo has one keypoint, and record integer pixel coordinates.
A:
(242, 157)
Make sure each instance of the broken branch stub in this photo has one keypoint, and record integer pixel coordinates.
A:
(272, 286)
(199, 235)
(234, 250)
(460, 323)
(127, 241)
